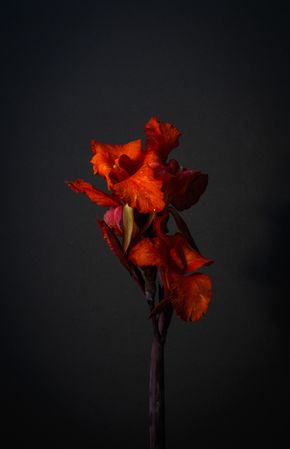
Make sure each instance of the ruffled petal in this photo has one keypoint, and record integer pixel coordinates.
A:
(185, 187)
(142, 191)
(106, 157)
(180, 254)
(161, 137)
(190, 295)
(182, 257)
(96, 196)
(148, 252)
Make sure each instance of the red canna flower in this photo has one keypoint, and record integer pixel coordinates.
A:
(144, 188)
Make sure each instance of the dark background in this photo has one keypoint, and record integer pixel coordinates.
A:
(74, 330)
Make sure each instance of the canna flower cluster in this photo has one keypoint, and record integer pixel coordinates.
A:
(146, 189)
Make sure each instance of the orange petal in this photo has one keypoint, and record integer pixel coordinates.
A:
(142, 191)
(185, 188)
(148, 252)
(182, 257)
(105, 159)
(161, 137)
(96, 196)
(190, 295)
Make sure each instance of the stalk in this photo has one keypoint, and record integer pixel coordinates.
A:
(156, 379)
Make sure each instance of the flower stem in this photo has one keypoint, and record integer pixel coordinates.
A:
(156, 395)
(156, 380)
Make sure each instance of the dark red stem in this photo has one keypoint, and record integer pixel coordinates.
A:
(156, 381)
(156, 395)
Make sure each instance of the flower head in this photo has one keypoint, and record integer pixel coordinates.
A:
(145, 187)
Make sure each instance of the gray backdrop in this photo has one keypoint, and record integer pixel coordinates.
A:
(75, 334)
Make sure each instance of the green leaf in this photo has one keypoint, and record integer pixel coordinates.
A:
(128, 226)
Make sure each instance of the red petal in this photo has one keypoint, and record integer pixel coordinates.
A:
(183, 258)
(105, 159)
(190, 295)
(179, 255)
(185, 188)
(173, 166)
(161, 137)
(142, 191)
(148, 252)
(129, 165)
(96, 196)
(113, 243)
